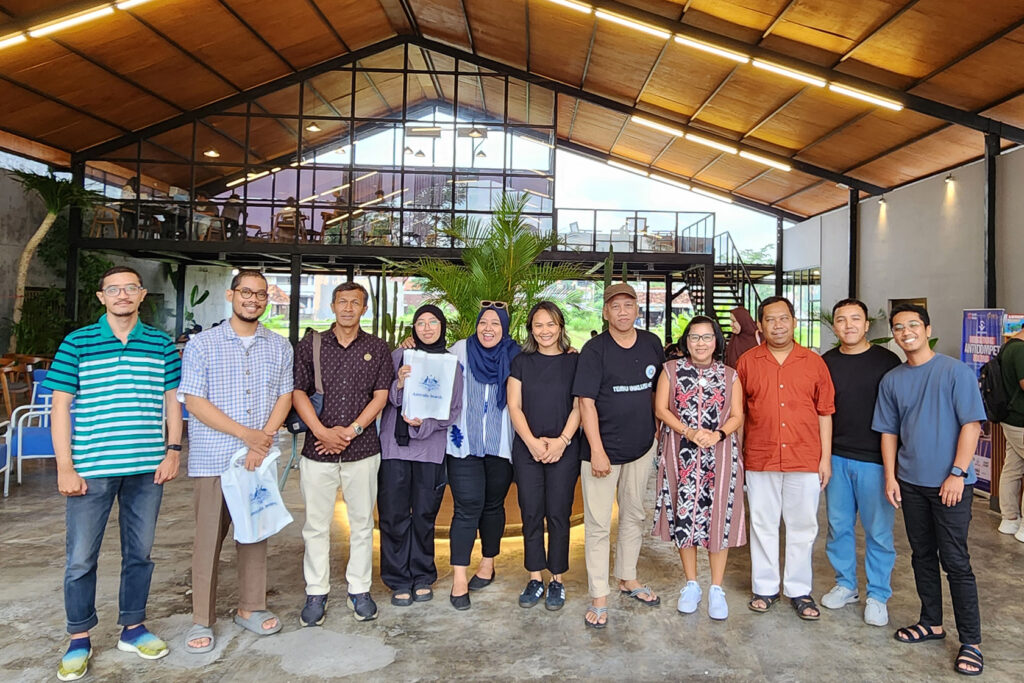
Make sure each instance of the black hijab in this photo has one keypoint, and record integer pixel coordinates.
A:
(401, 426)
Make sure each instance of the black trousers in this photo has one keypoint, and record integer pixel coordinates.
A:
(546, 493)
(408, 497)
(938, 534)
(479, 487)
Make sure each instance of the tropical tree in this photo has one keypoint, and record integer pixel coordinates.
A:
(57, 194)
(499, 263)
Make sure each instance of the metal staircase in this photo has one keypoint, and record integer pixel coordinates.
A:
(734, 281)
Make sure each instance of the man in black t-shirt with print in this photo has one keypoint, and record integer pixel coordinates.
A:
(858, 478)
(615, 379)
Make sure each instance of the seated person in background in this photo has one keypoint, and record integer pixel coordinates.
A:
(288, 219)
(201, 213)
(231, 213)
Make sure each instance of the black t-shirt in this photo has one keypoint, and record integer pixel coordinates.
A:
(547, 395)
(621, 382)
(856, 378)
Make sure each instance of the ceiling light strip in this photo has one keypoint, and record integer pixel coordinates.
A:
(713, 49)
(790, 73)
(71, 20)
(578, 6)
(708, 142)
(656, 126)
(635, 25)
(714, 195)
(627, 167)
(865, 96)
(782, 166)
(670, 181)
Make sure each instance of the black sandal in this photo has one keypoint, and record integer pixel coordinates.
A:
(917, 633)
(768, 600)
(803, 606)
(969, 656)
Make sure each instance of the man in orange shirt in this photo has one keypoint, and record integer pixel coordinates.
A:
(787, 449)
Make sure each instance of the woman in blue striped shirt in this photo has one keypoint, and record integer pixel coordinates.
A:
(479, 450)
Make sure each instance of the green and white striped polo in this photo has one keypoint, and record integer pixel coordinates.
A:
(119, 396)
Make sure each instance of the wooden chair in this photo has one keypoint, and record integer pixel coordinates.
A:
(216, 230)
(102, 217)
(15, 382)
(288, 225)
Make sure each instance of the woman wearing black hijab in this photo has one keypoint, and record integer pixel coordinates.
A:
(412, 479)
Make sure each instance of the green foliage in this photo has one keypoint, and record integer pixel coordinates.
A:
(57, 193)
(53, 252)
(499, 263)
(42, 325)
(195, 298)
(386, 323)
(679, 324)
(765, 254)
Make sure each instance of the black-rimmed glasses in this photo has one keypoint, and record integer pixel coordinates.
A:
(247, 293)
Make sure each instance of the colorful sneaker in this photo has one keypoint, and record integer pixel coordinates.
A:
(839, 596)
(315, 610)
(718, 608)
(75, 662)
(532, 593)
(142, 642)
(363, 605)
(556, 596)
(689, 598)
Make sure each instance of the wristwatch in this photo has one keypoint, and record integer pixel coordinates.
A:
(957, 472)
(357, 428)
(721, 434)
(174, 447)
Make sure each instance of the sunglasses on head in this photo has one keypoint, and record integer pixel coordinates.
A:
(494, 304)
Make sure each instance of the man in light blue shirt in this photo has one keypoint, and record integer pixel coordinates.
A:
(932, 402)
(236, 384)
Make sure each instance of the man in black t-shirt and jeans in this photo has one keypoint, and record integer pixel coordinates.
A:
(858, 478)
(615, 379)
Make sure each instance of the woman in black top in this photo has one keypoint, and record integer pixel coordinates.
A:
(545, 453)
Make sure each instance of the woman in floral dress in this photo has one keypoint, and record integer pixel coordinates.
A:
(700, 472)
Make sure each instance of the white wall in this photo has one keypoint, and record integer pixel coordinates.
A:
(926, 241)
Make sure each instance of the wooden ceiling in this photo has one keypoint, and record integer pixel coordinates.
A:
(953, 63)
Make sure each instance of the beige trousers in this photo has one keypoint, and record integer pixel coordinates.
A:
(1013, 470)
(626, 484)
(319, 483)
(212, 522)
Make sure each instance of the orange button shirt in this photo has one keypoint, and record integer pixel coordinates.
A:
(782, 404)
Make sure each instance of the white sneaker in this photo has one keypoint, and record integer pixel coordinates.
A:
(689, 598)
(1009, 526)
(839, 596)
(875, 613)
(718, 608)
(1020, 534)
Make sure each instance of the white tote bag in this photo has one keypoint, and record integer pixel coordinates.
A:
(253, 498)
(428, 388)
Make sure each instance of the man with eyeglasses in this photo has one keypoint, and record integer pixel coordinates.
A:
(857, 486)
(121, 375)
(787, 451)
(929, 412)
(341, 449)
(615, 379)
(236, 382)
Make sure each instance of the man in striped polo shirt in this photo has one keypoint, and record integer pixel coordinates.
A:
(122, 375)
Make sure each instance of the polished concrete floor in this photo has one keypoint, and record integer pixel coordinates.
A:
(496, 639)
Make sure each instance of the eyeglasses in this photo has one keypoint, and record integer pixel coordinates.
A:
(494, 304)
(247, 293)
(694, 338)
(913, 325)
(423, 324)
(114, 290)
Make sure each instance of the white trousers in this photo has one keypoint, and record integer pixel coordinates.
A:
(793, 497)
(319, 484)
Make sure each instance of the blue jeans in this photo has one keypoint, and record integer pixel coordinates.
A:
(138, 501)
(858, 486)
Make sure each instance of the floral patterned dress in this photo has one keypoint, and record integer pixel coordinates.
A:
(700, 490)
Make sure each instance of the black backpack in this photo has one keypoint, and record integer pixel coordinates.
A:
(993, 390)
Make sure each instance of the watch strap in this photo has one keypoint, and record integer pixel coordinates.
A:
(174, 447)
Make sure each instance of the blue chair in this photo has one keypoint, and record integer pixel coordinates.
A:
(31, 437)
(5, 455)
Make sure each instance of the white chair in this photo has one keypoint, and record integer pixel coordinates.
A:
(5, 454)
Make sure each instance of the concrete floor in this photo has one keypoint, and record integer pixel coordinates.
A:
(494, 640)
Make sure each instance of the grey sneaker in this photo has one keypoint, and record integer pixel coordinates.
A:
(315, 610)
(363, 605)
(875, 613)
(839, 596)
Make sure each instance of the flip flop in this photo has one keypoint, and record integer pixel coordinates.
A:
(642, 590)
(195, 633)
(597, 612)
(255, 622)
(969, 656)
(768, 600)
(917, 633)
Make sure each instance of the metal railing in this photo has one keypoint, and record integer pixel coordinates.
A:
(599, 230)
(729, 262)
